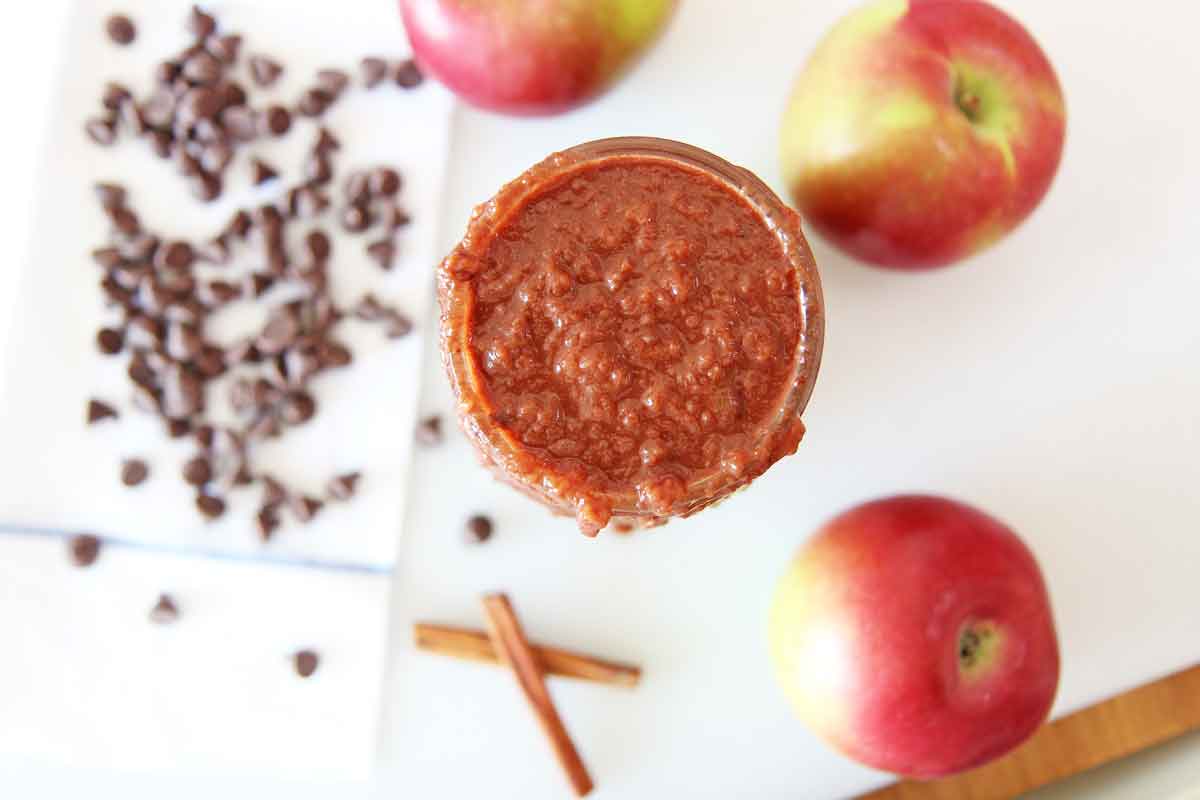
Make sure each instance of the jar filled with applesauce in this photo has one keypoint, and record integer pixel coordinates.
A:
(632, 329)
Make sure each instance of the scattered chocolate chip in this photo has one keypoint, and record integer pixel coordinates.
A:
(326, 142)
(429, 431)
(183, 392)
(314, 102)
(120, 29)
(265, 71)
(202, 69)
(159, 110)
(395, 218)
(267, 521)
(384, 181)
(369, 309)
(98, 410)
(274, 493)
(343, 487)
(317, 168)
(115, 97)
(408, 74)
(306, 202)
(178, 428)
(280, 331)
(479, 528)
(318, 244)
(218, 293)
(210, 506)
(298, 408)
(166, 72)
(200, 24)
(242, 123)
(356, 218)
(277, 120)
(102, 131)
(175, 255)
(225, 48)
(265, 427)
(305, 663)
(240, 224)
(85, 549)
(397, 326)
(304, 507)
(206, 187)
(162, 144)
(333, 81)
(383, 253)
(260, 283)
(374, 71)
(110, 195)
(197, 471)
(125, 221)
(165, 611)
(215, 157)
(110, 341)
(357, 188)
(134, 472)
(214, 251)
(263, 172)
(332, 354)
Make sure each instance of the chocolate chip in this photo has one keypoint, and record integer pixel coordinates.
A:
(242, 123)
(332, 354)
(429, 431)
(357, 188)
(240, 224)
(214, 251)
(232, 94)
(146, 399)
(314, 102)
(317, 168)
(274, 493)
(144, 332)
(306, 202)
(397, 326)
(280, 331)
(343, 487)
(206, 187)
(98, 410)
(200, 24)
(102, 131)
(175, 255)
(165, 611)
(374, 71)
(140, 372)
(134, 472)
(264, 71)
(178, 428)
(225, 48)
(318, 244)
(115, 96)
(262, 172)
(215, 157)
(260, 283)
(183, 341)
(202, 69)
(277, 120)
(110, 195)
(197, 471)
(162, 144)
(384, 181)
(109, 341)
(265, 427)
(326, 142)
(204, 435)
(408, 74)
(298, 408)
(356, 218)
(166, 72)
(267, 521)
(479, 528)
(395, 218)
(304, 507)
(305, 663)
(120, 29)
(218, 293)
(159, 110)
(125, 221)
(383, 253)
(210, 506)
(85, 549)
(333, 81)
(183, 392)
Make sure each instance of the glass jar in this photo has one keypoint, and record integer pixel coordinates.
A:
(696, 187)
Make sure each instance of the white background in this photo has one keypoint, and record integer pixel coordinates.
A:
(1053, 381)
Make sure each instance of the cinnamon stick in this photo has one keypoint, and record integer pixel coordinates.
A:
(510, 643)
(475, 645)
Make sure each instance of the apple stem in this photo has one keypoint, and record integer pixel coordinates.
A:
(970, 642)
(968, 102)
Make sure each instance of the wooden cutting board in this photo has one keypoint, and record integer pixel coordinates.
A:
(1107, 731)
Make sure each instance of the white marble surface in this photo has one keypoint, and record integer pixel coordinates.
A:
(1051, 380)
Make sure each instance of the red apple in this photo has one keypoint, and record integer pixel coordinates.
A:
(922, 131)
(915, 635)
(531, 56)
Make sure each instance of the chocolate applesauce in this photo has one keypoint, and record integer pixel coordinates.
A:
(632, 329)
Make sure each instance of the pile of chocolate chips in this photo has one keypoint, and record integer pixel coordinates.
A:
(199, 116)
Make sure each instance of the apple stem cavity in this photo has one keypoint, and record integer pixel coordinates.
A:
(968, 103)
(978, 645)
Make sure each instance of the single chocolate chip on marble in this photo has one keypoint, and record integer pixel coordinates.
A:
(274, 492)
(356, 218)
(267, 521)
(317, 168)
(197, 471)
(265, 71)
(333, 354)
(210, 506)
(125, 221)
(166, 72)
(240, 224)
(304, 507)
(429, 431)
(144, 332)
(110, 341)
(374, 71)
(369, 309)
(397, 325)
(178, 428)
(101, 130)
(357, 188)
(394, 217)
(200, 105)
(134, 472)
(165, 610)
(206, 186)
(115, 96)
(384, 181)
(146, 399)
(314, 102)
(305, 663)
(318, 244)
(479, 528)
(242, 123)
(383, 253)
(343, 487)
(262, 172)
(158, 110)
(408, 74)
(277, 120)
(120, 29)
(162, 143)
(260, 283)
(326, 142)
(225, 48)
(202, 69)
(177, 255)
(85, 549)
(333, 81)
(266, 426)
(298, 408)
(98, 410)
(232, 94)
(306, 202)
(201, 24)
(110, 195)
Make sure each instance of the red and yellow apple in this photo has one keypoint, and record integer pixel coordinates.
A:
(915, 635)
(922, 131)
(531, 57)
